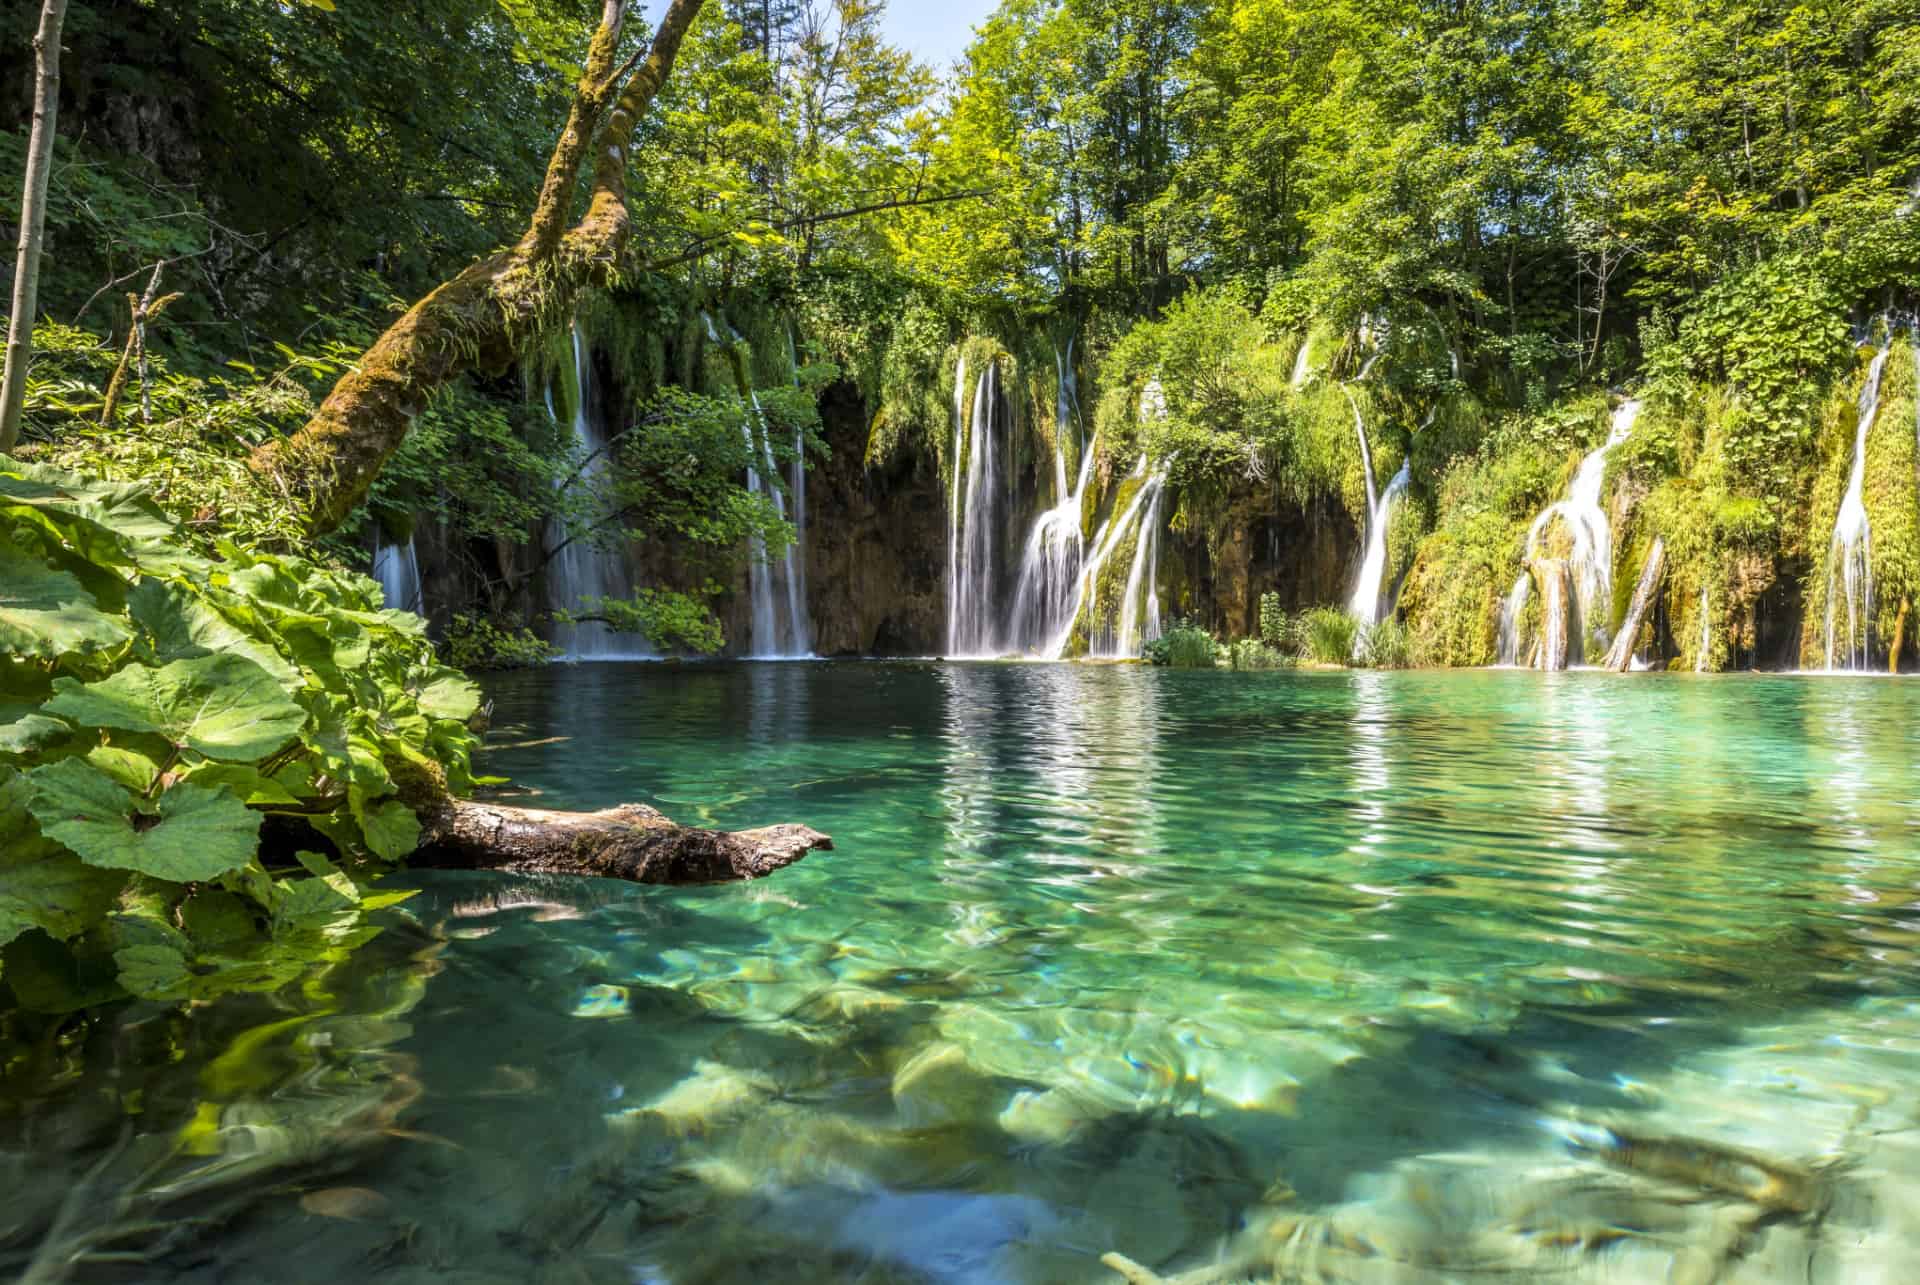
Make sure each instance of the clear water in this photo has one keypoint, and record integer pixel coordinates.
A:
(1349, 976)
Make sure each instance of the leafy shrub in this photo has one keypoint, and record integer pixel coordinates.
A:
(475, 642)
(1273, 621)
(1252, 653)
(1329, 635)
(156, 705)
(1383, 645)
(1185, 646)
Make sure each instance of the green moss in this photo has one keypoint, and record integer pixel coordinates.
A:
(1452, 594)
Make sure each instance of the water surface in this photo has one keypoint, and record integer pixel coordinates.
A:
(1351, 976)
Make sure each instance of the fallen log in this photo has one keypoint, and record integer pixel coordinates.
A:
(1620, 655)
(632, 842)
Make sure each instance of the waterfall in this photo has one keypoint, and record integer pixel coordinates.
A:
(1364, 606)
(1132, 634)
(1590, 560)
(1851, 553)
(1706, 634)
(1046, 591)
(1066, 418)
(973, 520)
(801, 635)
(773, 638)
(1516, 602)
(397, 568)
(1301, 369)
(579, 570)
(1370, 588)
(771, 586)
(1086, 588)
(1049, 576)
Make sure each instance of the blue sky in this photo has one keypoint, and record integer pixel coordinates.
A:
(935, 31)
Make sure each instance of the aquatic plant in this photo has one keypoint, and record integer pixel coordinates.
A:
(1329, 635)
(1184, 646)
(1383, 645)
(1254, 653)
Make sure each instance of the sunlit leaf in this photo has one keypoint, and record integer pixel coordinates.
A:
(225, 707)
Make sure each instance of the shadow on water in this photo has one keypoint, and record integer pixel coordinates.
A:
(1107, 959)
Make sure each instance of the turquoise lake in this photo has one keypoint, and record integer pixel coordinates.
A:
(1350, 976)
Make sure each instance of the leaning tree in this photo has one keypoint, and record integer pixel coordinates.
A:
(484, 318)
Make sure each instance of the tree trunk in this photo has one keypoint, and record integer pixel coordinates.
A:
(1620, 655)
(484, 317)
(33, 222)
(632, 842)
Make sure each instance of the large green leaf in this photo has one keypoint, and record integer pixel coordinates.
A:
(46, 613)
(41, 885)
(23, 731)
(184, 626)
(449, 696)
(192, 833)
(225, 707)
(88, 511)
(391, 829)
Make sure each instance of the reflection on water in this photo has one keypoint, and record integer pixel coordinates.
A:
(1345, 977)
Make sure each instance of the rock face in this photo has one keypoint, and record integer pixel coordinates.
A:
(1262, 545)
(876, 543)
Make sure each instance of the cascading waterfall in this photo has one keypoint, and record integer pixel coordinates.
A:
(802, 625)
(1369, 592)
(1365, 604)
(1140, 607)
(1706, 634)
(1590, 560)
(974, 520)
(1045, 590)
(1111, 535)
(1516, 602)
(580, 570)
(1850, 557)
(771, 585)
(397, 568)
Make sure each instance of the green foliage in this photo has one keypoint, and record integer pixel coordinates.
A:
(1383, 645)
(477, 643)
(1275, 628)
(1329, 634)
(670, 620)
(1183, 646)
(1255, 653)
(169, 702)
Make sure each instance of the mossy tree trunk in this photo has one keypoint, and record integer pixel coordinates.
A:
(1620, 655)
(483, 317)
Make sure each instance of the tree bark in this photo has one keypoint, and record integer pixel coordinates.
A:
(633, 842)
(482, 318)
(33, 221)
(1620, 654)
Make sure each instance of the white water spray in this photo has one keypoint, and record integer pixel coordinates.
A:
(580, 570)
(1706, 634)
(1516, 602)
(1850, 557)
(397, 568)
(1590, 560)
(974, 522)
(1110, 536)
